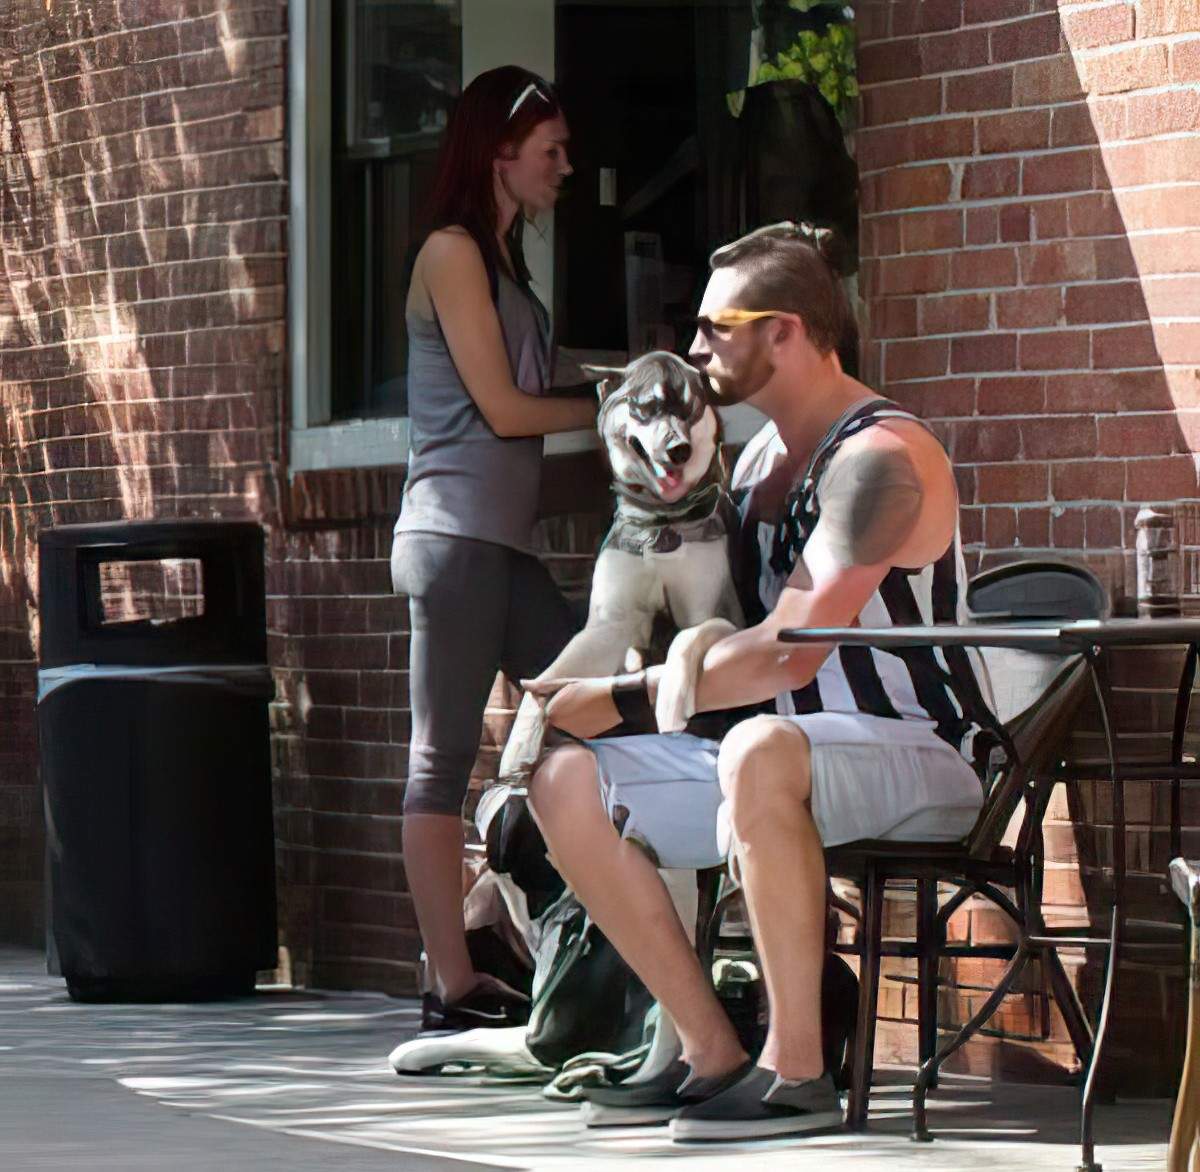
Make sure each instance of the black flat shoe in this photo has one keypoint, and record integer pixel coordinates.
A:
(486, 1006)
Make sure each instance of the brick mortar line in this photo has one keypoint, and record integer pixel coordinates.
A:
(891, 381)
(1000, 66)
(149, 128)
(142, 228)
(143, 163)
(66, 439)
(1036, 154)
(101, 370)
(1005, 22)
(953, 115)
(247, 465)
(150, 401)
(1034, 331)
(1031, 152)
(79, 310)
(42, 52)
(96, 339)
(151, 266)
(1091, 52)
(101, 203)
(1018, 201)
(128, 303)
(53, 116)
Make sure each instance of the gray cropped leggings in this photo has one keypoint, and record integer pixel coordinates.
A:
(475, 608)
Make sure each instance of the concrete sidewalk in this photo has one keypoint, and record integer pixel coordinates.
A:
(299, 1080)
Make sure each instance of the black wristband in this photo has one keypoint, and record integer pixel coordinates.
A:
(632, 698)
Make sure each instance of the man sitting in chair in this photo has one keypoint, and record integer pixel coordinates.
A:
(849, 513)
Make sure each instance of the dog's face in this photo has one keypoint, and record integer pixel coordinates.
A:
(657, 424)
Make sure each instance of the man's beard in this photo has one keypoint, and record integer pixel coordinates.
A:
(746, 383)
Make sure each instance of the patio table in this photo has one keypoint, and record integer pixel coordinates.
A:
(1094, 640)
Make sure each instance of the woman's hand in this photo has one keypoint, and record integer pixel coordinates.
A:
(581, 707)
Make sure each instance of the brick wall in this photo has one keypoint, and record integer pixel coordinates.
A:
(142, 227)
(1031, 235)
(1031, 271)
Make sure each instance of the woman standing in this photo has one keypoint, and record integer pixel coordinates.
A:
(478, 370)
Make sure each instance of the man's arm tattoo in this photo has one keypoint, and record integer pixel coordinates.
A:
(870, 503)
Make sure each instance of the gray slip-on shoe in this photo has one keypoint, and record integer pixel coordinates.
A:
(654, 1100)
(761, 1105)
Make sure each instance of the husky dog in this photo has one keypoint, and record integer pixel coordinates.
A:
(667, 550)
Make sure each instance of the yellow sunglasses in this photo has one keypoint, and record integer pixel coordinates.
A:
(730, 318)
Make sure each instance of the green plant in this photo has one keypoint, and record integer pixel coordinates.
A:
(826, 60)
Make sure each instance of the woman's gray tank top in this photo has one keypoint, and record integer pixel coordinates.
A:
(463, 479)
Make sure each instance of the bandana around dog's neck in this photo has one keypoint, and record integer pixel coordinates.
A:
(642, 528)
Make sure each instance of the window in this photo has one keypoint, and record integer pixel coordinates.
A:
(396, 71)
(370, 85)
(692, 121)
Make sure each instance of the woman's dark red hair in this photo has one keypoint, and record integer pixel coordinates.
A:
(480, 131)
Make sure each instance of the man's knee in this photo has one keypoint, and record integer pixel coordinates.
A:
(763, 762)
(566, 777)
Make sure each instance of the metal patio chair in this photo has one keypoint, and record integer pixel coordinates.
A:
(1036, 697)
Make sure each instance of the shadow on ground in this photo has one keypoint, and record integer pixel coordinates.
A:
(243, 1083)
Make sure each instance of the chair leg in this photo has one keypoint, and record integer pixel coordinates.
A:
(928, 950)
(708, 924)
(930, 1069)
(1068, 1004)
(870, 942)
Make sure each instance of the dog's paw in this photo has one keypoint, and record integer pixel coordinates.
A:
(515, 775)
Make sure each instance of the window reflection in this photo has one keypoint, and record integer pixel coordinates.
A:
(397, 69)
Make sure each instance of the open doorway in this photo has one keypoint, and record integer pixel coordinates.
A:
(692, 121)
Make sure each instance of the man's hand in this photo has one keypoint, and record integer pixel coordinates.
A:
(581, 707)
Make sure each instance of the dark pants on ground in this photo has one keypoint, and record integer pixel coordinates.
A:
(475, 608)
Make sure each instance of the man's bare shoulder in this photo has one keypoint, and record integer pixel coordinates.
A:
(888, 496)
(894, 443)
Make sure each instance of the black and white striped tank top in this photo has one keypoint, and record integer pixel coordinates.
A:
(935, 685)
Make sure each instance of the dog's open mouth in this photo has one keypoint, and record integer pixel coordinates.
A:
(667, 481)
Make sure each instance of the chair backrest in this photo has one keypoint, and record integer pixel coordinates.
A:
(1044, 588)
(1033, 695)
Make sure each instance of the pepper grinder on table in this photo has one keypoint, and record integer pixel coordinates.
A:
(1157, 563)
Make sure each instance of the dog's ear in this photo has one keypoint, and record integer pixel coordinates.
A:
(608, 378)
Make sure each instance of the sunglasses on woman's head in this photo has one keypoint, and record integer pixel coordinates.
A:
(531, 88)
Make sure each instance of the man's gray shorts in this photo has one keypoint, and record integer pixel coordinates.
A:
(872, 777)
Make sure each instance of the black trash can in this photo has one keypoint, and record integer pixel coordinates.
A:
(155, 753)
